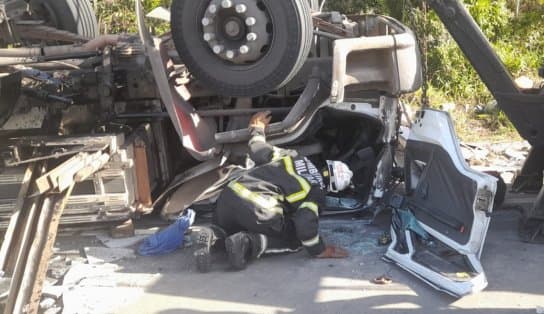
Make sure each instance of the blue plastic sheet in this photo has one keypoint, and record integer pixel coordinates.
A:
(168, 240)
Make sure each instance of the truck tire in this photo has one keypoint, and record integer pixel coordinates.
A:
(267, 62)
(75, 16)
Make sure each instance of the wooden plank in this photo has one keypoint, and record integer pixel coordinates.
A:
(47, 252)
(15, 219)
(142, 175)
(22, 253)
(30, 271)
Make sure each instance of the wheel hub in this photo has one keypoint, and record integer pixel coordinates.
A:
(233, 28)
(238, 31)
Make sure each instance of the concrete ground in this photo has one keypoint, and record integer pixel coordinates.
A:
(295, 283)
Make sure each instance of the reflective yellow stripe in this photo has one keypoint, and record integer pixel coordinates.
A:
(311, 242)
(311, 206)
(298, 196)
(265, 203)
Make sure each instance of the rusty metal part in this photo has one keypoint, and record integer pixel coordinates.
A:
(28, 30)
(208, 113)
(92, 45)
(67, 152)
(331, 28)
(144, 198)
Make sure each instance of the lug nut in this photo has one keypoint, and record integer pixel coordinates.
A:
(250, 21)
(226, 4)
(217, 49)
(241, 8)
(212, 9)
(208, 36)
(230, 54)
(244, 49)
(206, 21)
(251, 37)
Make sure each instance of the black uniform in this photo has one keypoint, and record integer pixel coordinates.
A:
(279, 198)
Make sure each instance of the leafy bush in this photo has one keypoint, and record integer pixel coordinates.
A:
(118, 16)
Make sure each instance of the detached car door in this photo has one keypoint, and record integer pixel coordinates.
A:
(439, 228)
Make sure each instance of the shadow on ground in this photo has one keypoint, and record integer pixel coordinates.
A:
(295, 283)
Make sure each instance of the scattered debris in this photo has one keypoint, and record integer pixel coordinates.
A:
(112, 243)
(355, 235)
(54, 292)
(382, 280)
(100, 255)
(384, 239)
(504, 158)
(124, 230)
(47, 303)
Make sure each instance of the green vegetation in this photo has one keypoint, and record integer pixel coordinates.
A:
(117, 16)
(517, 33)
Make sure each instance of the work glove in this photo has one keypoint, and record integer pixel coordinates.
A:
(260, 120)
(332, 251)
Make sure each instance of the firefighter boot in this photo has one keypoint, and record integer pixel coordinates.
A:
(243, 247)
(206, 237)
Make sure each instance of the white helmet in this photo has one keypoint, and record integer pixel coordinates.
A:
(339, 176)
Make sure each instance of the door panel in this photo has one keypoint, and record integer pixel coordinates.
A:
(452, 204)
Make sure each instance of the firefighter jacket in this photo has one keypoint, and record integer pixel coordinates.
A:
(283, 188)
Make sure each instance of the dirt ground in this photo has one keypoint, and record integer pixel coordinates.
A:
(120, 282)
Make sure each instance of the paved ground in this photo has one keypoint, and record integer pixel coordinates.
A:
(294, 283)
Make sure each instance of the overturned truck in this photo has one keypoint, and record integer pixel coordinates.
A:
(107, 128)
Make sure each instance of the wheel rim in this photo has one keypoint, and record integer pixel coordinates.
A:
(237, 31)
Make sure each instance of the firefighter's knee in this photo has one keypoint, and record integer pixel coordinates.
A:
(306, 224)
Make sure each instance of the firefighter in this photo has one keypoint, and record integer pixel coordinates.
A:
(274, 207)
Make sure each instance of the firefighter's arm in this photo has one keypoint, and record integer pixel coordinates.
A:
(306, 221)
(259, 150)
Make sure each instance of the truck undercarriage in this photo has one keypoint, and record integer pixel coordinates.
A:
(92, 131)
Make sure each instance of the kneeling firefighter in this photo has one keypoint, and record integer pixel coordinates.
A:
(274, 207)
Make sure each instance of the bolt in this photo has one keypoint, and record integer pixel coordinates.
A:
(226, 4)
(251, 37)
(244, 49)
(212, 9)
(250, 21)
(208, 36)
(241, 8)
(206, 21)
(217, 49)
(230, 54)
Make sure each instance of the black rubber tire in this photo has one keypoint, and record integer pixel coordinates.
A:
(76, 16)
(291, 44)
